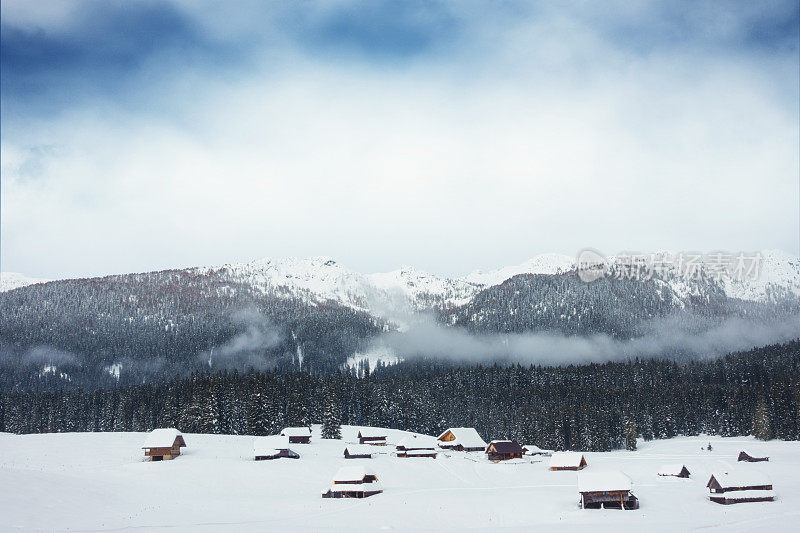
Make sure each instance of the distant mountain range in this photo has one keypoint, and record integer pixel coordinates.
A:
(317, 314)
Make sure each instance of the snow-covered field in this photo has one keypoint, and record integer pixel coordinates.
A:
(99, 482)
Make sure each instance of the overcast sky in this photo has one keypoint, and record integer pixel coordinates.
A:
(450, 136)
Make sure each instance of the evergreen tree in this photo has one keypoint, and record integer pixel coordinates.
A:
(331, 417)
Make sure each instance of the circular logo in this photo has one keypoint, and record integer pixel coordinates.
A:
(591, 265)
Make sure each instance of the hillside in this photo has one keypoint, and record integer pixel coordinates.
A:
(317, 315)
(98, 482)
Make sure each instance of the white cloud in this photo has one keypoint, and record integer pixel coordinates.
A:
(543, 136)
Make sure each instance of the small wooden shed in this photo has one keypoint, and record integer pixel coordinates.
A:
(610, 490)
(353, 482)
(751, 457)
(298, 435)
(358, 451)
(567, 461)
(272, 447)
(462, 439)
(676, 470)
(503, 450)
(533, 450)
(740, 487)
(373, 436)
(163, 444)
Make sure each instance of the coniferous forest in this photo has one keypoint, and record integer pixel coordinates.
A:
(589, 407)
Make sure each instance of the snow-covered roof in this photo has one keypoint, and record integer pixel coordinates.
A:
(671, 470)
(296, 432)
(418, 442)
(426, 451)
(755, 454)
(532, 449)
(736, 495)
(372, 433)
(565, 459)
(351, 474)
(360, 449)
(345, 487)
(466, 437)
(161, 438)
(270, 445)
(740, 478)
(603, 481)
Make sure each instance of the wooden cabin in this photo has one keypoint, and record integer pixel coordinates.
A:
(462, 440)
(533, 450)
(358, 451)
(163, 444)
(740, 487)
(503, 450)
(676, 470)
(567, 461)
(751, 458)
(272, 447)
(417, 446)
(375, 437)
(353, 482)
(609, 490)
(300, 435)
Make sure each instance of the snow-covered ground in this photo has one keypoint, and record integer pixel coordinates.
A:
(99, 482)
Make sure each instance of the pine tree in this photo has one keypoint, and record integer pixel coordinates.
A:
(331, 417)
(762, 429)
(629, 430)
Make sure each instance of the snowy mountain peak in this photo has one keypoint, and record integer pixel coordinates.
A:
(547, 263)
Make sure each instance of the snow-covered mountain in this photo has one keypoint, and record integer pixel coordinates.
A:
(15, 280)
(408, 289)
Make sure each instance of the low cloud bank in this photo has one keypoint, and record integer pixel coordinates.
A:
(248, 349)
(664, 339)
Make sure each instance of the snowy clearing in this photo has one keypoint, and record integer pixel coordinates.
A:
(100, 482)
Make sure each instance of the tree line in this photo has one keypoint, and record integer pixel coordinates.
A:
(594, 407)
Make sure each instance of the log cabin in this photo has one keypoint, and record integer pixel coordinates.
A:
(462, 440)
(739, 487)
(751, 457)
(417, 446)
(676, 470)
(358, 451)
(298, 435)
(375, 437)
(609, 490)
(272, 447)
(533, 450)
(353, 482)
(163, 444)
(503, 450)
(567, 461)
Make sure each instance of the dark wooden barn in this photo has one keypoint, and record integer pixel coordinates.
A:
(300, 435)
(676, 470)
(740, 487)
(503, 450)
(608, 490)
(751, 458)
(375, 437)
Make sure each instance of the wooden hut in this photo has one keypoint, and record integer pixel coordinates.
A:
(358, 451)
(301, 435)
(272, 447)
(462, 440)
(676, 470)
(372, 436)
(751, 457)
(503, 450)
(163, 444)
(567, 461)
(533, 450)
(417, 446)
(610, 490)
(740, 487)
(353, 482)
